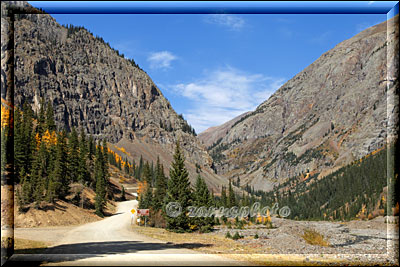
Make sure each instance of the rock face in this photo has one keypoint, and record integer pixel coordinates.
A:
(92, 86)
(338, 109)
(213, 134)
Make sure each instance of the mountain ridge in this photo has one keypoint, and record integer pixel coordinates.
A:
(93, 86)
(332, 112)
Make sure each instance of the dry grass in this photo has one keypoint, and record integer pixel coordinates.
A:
(206, 243)
(22, 244)
(312, 237)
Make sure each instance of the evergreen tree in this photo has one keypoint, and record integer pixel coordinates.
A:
(26, 193)
(123, 197)
(147, 177)
(100, 199)
(126, 167)
(224, 199)
(160, 186)
(59, 183)
(39, 174)
(179, 191)
(83, 174)
(91, 162)
(28, 141)
(50, 123)
(41, 128)
(146, 199)
(19, 151)
(73, 153)
(203, 200)
(92, 148)
(231, 196)
(139, 169)
(105, 157)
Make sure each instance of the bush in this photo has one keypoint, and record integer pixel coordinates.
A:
(205, 229)
(256, 236)
(239, 224)
(269, 225)
(237, 236)
(228, 235)
(312, 237)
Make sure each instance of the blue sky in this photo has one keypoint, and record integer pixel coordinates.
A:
(215, 67)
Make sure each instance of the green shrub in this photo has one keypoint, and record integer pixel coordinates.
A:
(256, 236)
(236, 236)
(228, 235)
(205, 229)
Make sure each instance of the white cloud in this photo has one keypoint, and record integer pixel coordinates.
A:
(230, 21)
(161, 60)
(224, 94)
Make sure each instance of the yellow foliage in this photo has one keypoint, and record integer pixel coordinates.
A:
(37, 139)
(312, 237)
(141, 188)
(118, 158)
(49, 138)
(193, 226)
(5, 117)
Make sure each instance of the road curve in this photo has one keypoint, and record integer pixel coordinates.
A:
(112, 242)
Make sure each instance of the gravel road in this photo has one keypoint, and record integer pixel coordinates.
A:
(110, 242)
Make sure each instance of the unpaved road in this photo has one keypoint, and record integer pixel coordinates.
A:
(110, 242)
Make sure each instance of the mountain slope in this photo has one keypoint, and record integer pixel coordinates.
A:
(213, 134)
(92, 86)
(331, 113)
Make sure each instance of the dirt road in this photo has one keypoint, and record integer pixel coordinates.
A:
(111, 242)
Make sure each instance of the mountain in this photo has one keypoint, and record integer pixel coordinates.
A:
(213, 134)
(338, 109)
(93, 86)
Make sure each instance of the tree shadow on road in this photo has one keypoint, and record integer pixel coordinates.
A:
(71, 252)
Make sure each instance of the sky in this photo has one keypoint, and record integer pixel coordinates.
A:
(214, 67)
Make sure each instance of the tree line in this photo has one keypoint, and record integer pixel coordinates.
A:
(353, 191)
(47, 160)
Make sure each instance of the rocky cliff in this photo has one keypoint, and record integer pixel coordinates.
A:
(213, 134)
(338, 109)
(93, 86)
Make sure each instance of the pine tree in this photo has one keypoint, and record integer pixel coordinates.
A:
(147, 177)
(203, 200)
(73, 155)
(39, 174)
(100, 199)
(26, 192)
(19, 151)
(123, 197)
(59, 183)
(92, 148)
(179, 191)
(146, 199)
(139, 169)
(50, 123)
(231, 196)
(126, 167)
(91, 162)
(83, 174)
(41, 128)
(224, 199)
(106, 173)
(28, 141)
(160, 186)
